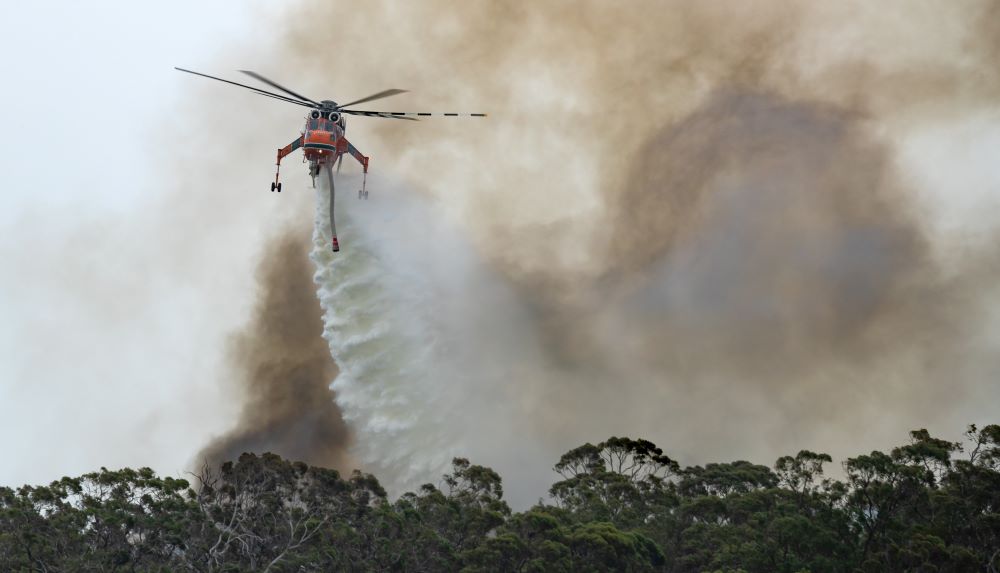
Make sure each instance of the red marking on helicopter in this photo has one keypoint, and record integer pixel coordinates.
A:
(322, 140)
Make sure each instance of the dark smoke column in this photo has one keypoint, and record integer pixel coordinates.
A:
(283, 368)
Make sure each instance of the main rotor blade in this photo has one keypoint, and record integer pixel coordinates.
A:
(275, 85)
(408, 114)
(283, 98)
(379, 95)
(256, 90)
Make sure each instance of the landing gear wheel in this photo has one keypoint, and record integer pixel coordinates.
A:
(366, 195)
(279, 187)
(273, 186)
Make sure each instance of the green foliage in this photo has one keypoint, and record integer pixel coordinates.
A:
(620, 505)
(541, 541)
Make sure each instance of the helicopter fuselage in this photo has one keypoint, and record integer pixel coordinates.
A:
(323, 130)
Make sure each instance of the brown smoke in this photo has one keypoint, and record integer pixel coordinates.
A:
(701, 202)
(283, 367)
(769, 241)
(575, 90)
(785, 223)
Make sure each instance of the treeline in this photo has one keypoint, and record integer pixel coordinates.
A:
(621, 505)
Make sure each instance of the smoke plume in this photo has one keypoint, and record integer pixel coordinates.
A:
(697, 216)
(282, 368)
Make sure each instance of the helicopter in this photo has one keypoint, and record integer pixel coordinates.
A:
(322, 139)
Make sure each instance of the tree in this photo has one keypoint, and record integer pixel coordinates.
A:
(725, 479)
(545, 540)
(800, 474)
(114, 520)
(268, 514)
(467, 510)
(614, 481)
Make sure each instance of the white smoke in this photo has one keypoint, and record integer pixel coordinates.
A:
(408, 308)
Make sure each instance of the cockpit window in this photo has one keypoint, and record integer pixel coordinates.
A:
(313, 124)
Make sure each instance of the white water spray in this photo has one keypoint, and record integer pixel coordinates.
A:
(406, 304)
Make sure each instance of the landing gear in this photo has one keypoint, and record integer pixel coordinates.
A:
(276, 185)
(363, 193)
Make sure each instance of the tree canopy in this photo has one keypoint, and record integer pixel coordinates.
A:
(620, 505)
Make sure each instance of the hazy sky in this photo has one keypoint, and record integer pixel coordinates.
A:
(89, 101)
(136, 203)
